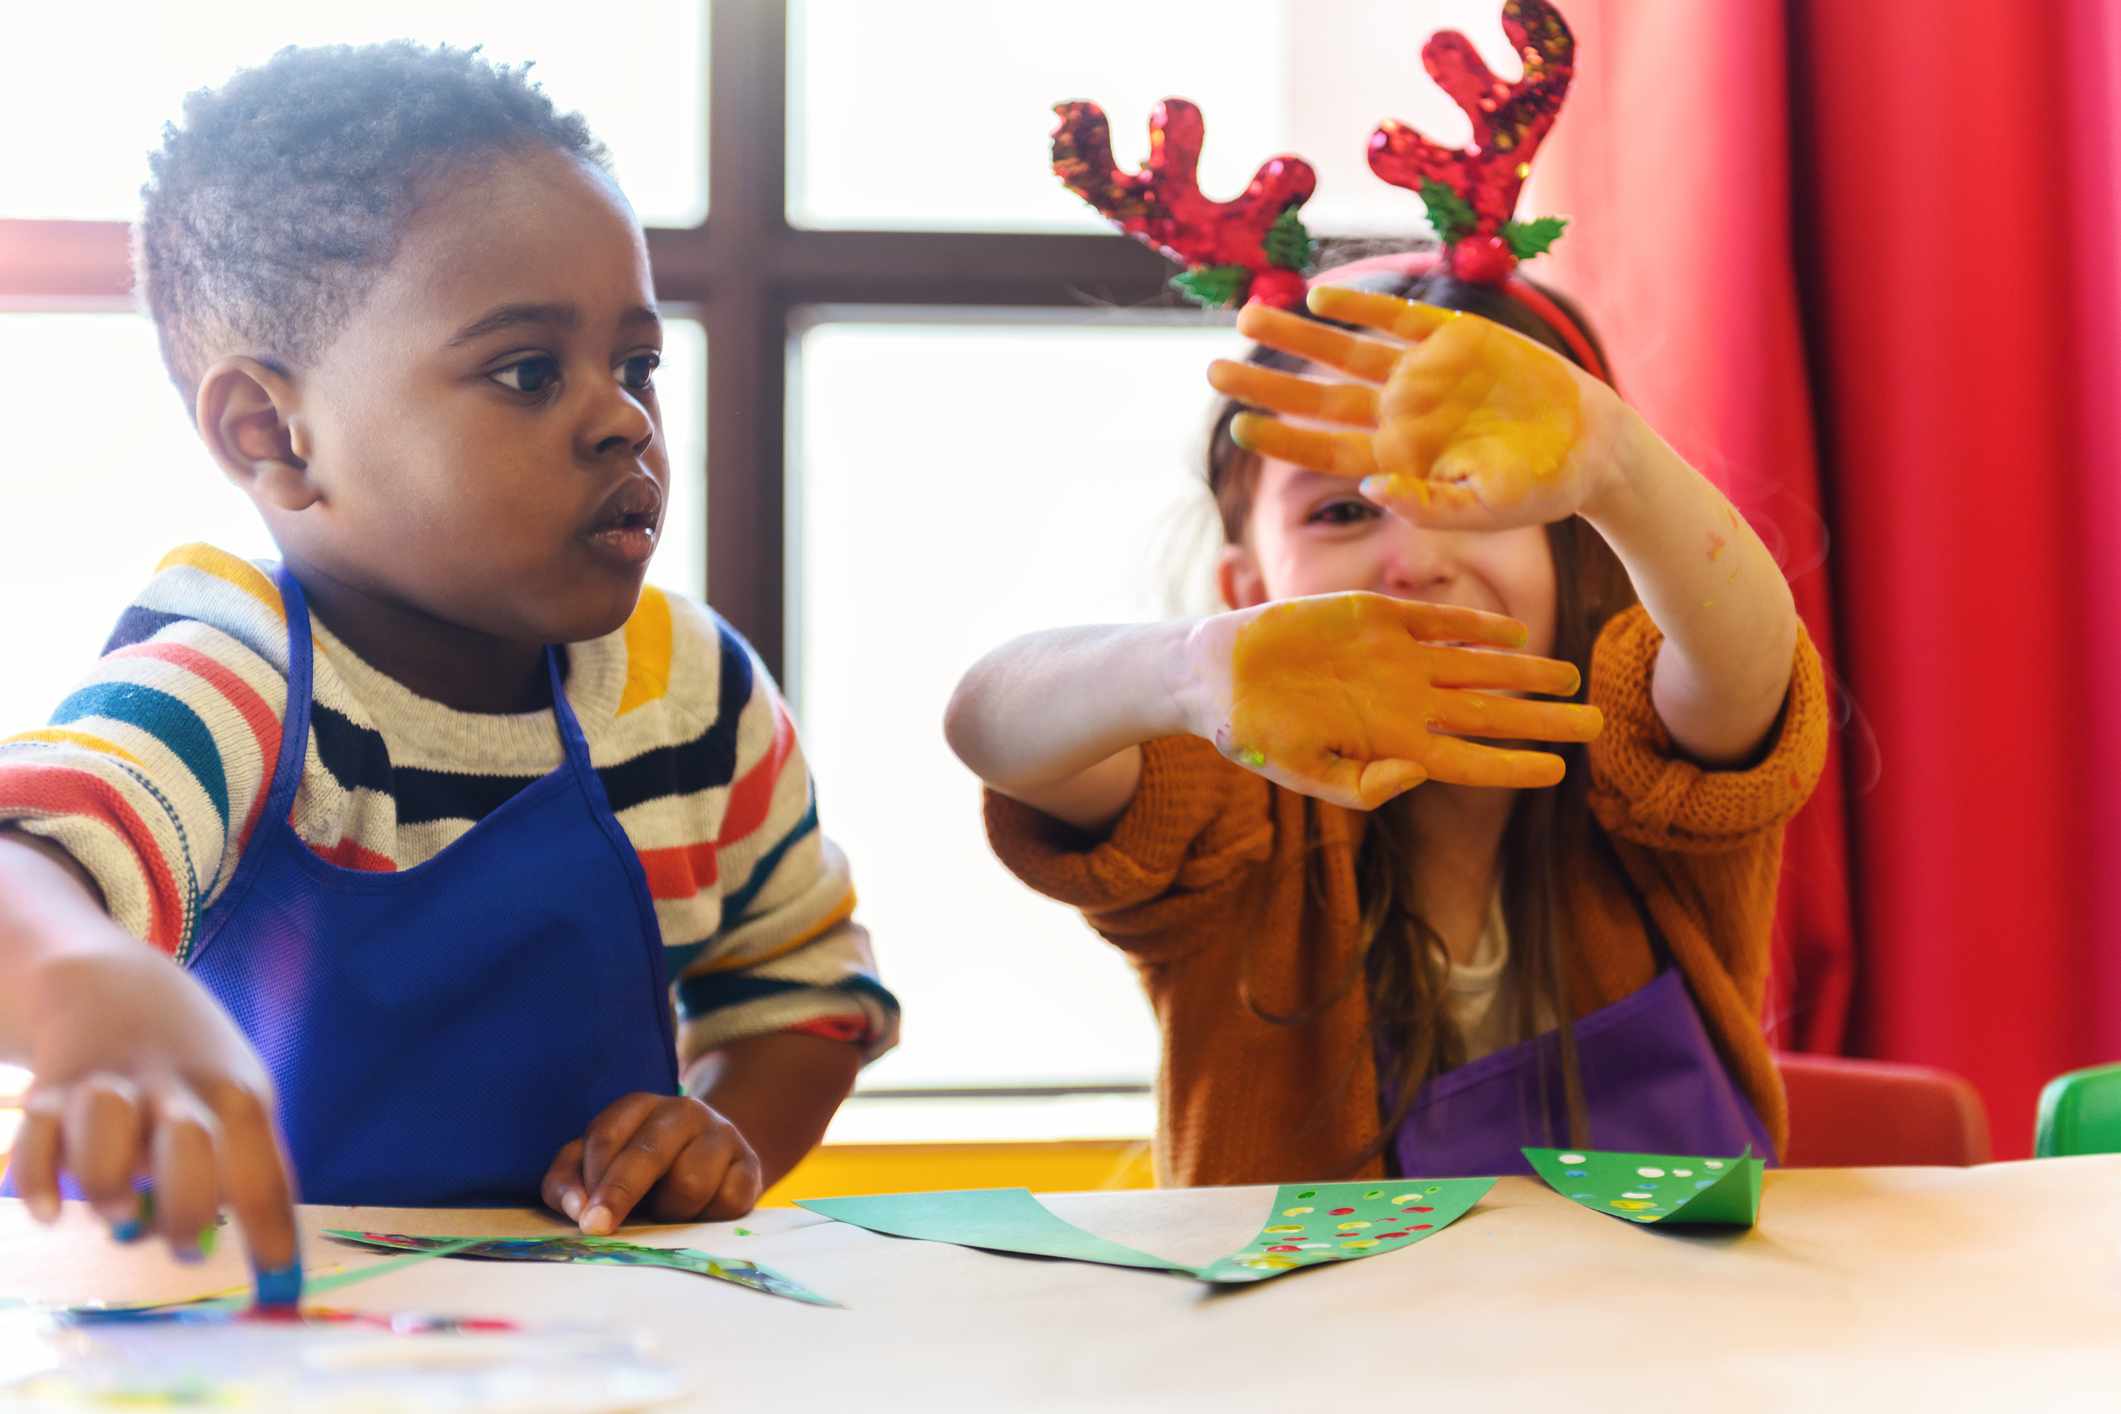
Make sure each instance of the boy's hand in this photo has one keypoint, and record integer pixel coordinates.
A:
(680, 1156)
(1355, 698)
(1475, 426)
(140, 1073)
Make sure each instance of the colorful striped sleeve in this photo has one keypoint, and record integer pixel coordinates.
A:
(152, 773)
(785, 952)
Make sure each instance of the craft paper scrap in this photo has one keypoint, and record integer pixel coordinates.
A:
(1656, 1188)
(607, 1251)
(1311, 1223)
(996, 1219)
(1306, 1225)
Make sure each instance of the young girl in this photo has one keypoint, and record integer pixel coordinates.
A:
(422, 824)
(1360, 961)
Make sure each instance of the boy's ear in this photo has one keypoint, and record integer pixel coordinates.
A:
(1237, 577)
(248, 417)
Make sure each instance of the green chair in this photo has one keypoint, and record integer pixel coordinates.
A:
(2080, 1113)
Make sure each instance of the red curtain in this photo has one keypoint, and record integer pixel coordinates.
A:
(1888, 233)
(1672, 159)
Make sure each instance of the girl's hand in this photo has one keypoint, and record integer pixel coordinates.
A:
(140, 1073)
(1355, 698)
(671, 1155)
(1475, 427)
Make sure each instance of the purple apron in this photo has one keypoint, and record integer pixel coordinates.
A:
(437, 1034)
(1652, 1084)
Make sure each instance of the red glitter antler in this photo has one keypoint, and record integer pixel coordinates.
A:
(1252, 247)
(1471, 195)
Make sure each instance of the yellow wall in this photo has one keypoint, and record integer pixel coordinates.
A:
(1075, 1166)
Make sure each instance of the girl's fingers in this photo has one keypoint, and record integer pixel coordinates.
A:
(187, 1183)
(1335, 453)
(35, 1163)
(1429, 502)
(1449, 623)
(1465, 764)
(1354, 784)
(1388, 314)
(1513, 718)
(104, 1143)
(1501, 672)
(1354, 404)
(1366, 359)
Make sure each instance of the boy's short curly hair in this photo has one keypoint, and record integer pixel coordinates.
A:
(270, 212)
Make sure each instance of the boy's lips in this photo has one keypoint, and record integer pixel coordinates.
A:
(626, 524)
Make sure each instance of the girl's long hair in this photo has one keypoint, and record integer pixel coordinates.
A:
(1403, 965)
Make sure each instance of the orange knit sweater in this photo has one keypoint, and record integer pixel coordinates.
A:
(1203, 883)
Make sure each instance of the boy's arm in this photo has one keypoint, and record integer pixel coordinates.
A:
(780, 1091)
(137, 1071)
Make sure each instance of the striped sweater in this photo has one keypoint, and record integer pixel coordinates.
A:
(153, 774)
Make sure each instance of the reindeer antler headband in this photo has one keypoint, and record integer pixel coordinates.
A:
(1256, 247)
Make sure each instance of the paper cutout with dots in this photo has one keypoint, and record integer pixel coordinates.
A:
(1307, 1224)
(1656, 1188)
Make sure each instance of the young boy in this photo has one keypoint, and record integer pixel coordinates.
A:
(438, 810)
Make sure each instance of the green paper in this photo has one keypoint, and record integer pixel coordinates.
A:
(603, 1251)
(1529, 238)
(997, 1219)
(1449, 214)
(1288, 245)
(1213, 286)
(1656, 1188)
(1307, 1224)
(1314, 1223)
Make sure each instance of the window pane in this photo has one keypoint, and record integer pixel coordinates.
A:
(964, 88)
(916, 551)
(90, 500)
(638, 72)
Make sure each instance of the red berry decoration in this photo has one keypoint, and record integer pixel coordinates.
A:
(1485, 260)
(1275, 286)
(1224, 245)
(1478, 186)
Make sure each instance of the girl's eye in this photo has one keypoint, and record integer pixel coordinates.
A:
(638, 372)
(531, 375)
(1346, 512)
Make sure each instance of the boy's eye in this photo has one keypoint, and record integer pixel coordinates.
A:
(531, 375)
(1352, 511)
(638, 372)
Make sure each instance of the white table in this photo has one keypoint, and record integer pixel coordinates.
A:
(1900, 1291)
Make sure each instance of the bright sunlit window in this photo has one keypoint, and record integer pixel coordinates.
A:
(637, 71)
(1054, 484)
(967, 86)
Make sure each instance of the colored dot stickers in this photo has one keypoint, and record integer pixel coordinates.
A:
(1327, 1222)
(1655, 1188)
(1339, 1222)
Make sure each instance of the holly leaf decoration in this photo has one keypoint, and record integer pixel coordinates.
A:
(1213, 286)
(1529, 238)
(1448, 212)
(1288, 244)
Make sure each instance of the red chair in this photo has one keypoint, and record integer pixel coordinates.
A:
(1861, 1113)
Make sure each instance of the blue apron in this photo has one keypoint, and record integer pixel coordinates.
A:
(438, 1034)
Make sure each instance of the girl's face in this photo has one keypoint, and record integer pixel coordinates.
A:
(1309, 533)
